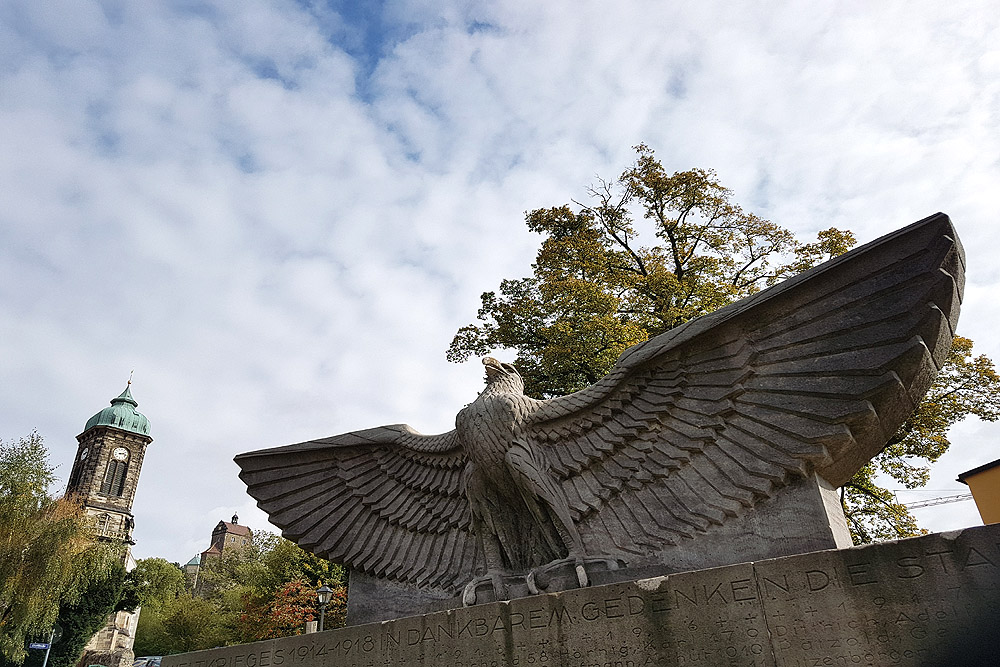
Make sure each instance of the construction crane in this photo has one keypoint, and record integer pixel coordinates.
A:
(939, 501)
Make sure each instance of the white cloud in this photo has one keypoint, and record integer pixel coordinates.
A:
(280, 230)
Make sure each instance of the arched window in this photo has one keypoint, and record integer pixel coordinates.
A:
(114, 478)
(74, 479)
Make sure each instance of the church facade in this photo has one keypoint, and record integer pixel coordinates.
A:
(105, 473)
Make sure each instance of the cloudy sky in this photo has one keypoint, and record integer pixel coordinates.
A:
(278, 213)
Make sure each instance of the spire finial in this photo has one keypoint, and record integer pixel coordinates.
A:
(130, 376)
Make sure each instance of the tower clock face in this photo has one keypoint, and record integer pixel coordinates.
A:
(120, 454)
(84, 452)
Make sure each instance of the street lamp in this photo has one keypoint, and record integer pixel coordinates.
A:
(324, 593)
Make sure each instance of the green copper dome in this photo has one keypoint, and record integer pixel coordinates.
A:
(121, 414)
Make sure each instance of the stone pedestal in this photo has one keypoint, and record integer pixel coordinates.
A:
(925, 601)
(801, 517)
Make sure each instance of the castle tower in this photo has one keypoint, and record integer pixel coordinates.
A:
(228, 536)
(104, 477)
(108, 461)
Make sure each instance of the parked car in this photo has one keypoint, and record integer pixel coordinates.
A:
(148, 661)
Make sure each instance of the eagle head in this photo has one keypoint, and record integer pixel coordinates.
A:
(498, 373)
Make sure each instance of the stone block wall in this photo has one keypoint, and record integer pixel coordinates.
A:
(920, 602)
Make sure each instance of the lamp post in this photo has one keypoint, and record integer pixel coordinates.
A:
(324, 593)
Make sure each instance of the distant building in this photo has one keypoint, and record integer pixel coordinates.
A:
(191, 568)
(227, 537)
(104, 477)
(984, 482)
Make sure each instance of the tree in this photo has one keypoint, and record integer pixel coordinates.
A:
(286, 612)
(151, 637)
(182, 623)
(87, 613)
(263, 566)
(254, 581)
(161, 584)
(270, 579)
(594, 291)
(157, 581)
(265, 589)
(51, 566)
(42, 541)
(966, 385)
(192, 624)
(172, 620)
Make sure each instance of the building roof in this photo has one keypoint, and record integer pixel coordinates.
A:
(195, 560)
(211, 551)
(121, 414)
(975, 471)
(231, 529)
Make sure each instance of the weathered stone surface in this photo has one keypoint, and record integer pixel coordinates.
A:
(924, 601)
(693, 445)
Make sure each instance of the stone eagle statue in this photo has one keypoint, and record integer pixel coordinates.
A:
(689, 429)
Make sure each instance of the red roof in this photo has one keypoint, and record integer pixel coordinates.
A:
(232, 528)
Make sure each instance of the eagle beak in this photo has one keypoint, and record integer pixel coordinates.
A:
(493, 368)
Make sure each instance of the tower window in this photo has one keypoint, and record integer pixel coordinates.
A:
(74, 479)
(114, 478)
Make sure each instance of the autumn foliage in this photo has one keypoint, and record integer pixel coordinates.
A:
(287, 612)
(596, 289)
(264, 590)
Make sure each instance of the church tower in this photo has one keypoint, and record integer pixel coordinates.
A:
(103, 478)
(107, 465)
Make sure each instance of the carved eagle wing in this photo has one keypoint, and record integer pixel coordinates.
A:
(386, 501)
(815, 373)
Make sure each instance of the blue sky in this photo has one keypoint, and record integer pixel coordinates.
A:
(278, 213)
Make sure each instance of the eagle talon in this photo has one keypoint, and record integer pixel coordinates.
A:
(532, 586)
(470, 594)
(538, 578)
